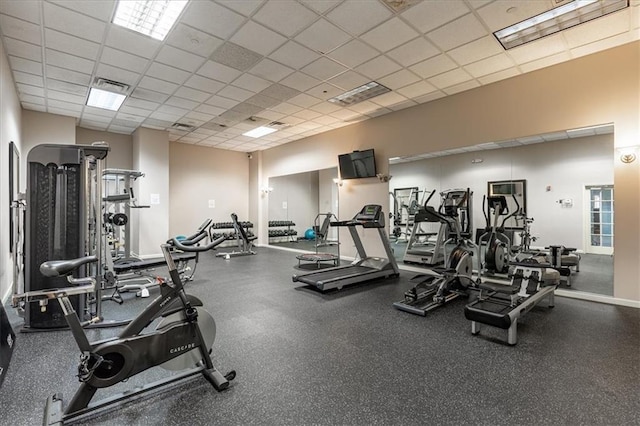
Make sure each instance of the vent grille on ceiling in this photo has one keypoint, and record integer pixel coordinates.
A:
(110, 85)
(183, 126)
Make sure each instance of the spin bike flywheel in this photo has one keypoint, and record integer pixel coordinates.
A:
(496, 256)
(461, 261)
(191, 358)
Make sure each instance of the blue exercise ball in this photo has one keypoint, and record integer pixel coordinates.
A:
(309, 234)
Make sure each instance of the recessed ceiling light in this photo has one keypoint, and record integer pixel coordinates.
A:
(360, 93)
(102, 99)
(259, 132)
(151, 17)
(560, 18)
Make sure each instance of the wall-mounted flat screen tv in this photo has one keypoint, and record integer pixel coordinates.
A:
(357, 164)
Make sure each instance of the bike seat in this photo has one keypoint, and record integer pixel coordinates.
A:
(56, 268)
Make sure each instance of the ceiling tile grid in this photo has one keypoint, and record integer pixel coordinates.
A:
(228, 66)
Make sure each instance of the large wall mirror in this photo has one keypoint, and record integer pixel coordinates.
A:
(300, 208)
(564, 182)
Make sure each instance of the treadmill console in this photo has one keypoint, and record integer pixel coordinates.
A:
(371, 216)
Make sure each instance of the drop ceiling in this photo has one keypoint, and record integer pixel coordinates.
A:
(228, 66)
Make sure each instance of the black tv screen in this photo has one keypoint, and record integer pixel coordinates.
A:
(357, 164)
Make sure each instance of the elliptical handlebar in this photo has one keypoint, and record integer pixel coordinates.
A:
(515, 212)
(191, 247)
(429, 198)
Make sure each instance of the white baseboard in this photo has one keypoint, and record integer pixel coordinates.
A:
(592, 297)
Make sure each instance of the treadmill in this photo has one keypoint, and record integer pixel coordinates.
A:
(366, 268)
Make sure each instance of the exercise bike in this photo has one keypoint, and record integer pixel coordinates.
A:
(452, 281)
(181, 340)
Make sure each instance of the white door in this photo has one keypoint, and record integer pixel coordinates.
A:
(599, 212)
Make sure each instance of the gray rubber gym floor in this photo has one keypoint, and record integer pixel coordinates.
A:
(349, 358)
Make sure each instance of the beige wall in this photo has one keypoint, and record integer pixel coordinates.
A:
(595, 89)
(120, 154)
(200, 174)
(10, 131)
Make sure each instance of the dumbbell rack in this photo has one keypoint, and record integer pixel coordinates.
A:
(290, 235)
(218, 229)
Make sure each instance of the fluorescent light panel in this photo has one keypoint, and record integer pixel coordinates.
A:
(557, 19)
(151, 17)
(107, 100)
(359, 94)
(259, 132)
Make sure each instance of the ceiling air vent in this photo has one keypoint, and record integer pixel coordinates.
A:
(183, 126)
(277, 124)
(111, 86)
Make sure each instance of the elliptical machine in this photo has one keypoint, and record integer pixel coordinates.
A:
(182, 339)
(494, 259)
(454, 279)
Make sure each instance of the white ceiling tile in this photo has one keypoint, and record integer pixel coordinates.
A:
(192, 40)
(500, 75)
(597, 29)
(164, 116)
(66, 97)
(433, 66)
(132, 42)
(417, 89)
(325, 120)
(458, 32)
(388, 99)
(271, 70)
(172, 110)
(133, 105)
(324, 69)
(23, 10)
(204, 84)
(245, 7)
(25, 65)
(389, 35)
(402, 105)
(299, 81)
(21, 49)
(157, 85)
(30, 90)
(501, 14)
(608, 43)
(353, 53)
(98, 114)
(218, 72)
(177, 58)
(413, 52)
(64, 60)
(37, 100)
(68, 75)
(345, 114)
(212, 18)
(251, 82)
(450, 78)
(304, 100)
(294, 55)
(99, 9)
(258, 38)
(69, 44)
(222, 102)
(428, 15)
(545, 62)
(364, 107)
(325, 91)
(399, 79)
(320, 6)
(489, 65)
(236, 93)
(546, 46)
(70, 22)
(461, 87)
(325, 107)
(378, 67)
(285, 17)
(33, 107)
(117, 74)
(271, 115)
(322, 36)
(167, 73)
(286, 108)
(476, 50)
(149, 95)
(69, 106)
(122, 117)
(307, 114)
(349, 80)
(356, 16)
(193, 94)
(120, 59)
(19, 29)
(200, 117)
(51, 109)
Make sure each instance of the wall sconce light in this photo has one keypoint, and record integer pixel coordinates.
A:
(266, 189)
(628, 154)
(337, 181)
(384, 178)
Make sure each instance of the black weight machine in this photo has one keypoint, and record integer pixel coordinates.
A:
(502, 305)
(244, 242)
(366, 267)
(454, 279)
(182, 340)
